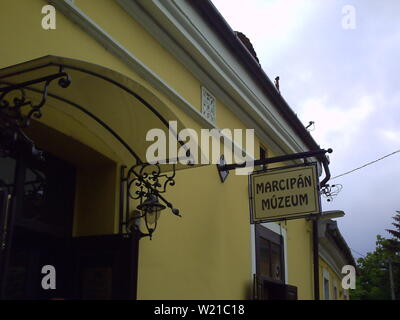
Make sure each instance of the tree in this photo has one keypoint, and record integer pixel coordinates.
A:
(394, 243)
(372, 282)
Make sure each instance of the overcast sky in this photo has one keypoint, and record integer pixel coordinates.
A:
(347, 81)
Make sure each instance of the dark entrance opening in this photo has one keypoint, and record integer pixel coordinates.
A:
(36, 230)
(38, 225)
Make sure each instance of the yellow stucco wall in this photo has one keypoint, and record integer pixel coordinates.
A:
(334, 281)
(206, 253)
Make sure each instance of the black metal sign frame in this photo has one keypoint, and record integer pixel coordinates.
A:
(290, 216)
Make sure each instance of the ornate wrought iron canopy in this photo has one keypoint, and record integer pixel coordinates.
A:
(110, 100)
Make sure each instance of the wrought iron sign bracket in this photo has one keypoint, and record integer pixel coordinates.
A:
(224, 169)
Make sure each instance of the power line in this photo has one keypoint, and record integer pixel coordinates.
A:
(367, 164)
(357, 252)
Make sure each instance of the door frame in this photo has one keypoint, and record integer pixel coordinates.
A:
(115, 251)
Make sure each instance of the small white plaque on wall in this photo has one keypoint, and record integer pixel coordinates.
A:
(208, 105)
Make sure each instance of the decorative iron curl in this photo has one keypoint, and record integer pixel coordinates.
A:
(146, 178)
(331, 191)
(16, 112)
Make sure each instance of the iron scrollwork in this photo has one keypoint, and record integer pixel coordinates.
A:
(146, 181)
(17, 110)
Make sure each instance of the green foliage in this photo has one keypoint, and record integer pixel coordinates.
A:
(372, 281)
(394, 243)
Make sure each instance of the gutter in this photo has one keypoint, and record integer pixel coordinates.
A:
(325, 164)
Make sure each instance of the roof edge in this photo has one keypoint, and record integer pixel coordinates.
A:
(211, 14)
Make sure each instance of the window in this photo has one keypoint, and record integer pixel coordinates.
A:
(326, 284)
(335, 291)
(269, 255)
(326, 289)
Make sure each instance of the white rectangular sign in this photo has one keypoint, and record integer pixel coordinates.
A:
(287, 192)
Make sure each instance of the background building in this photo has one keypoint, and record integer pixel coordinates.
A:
(334, 254)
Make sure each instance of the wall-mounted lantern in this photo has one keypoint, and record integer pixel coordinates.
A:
(146, 183)
(151, 209)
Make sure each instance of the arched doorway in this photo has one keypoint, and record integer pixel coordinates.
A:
(62, 217)
(62, 211)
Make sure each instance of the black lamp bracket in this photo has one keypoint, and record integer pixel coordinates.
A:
(145, 178)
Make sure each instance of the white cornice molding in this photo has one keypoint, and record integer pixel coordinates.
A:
(269, 130)
(177, 27)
